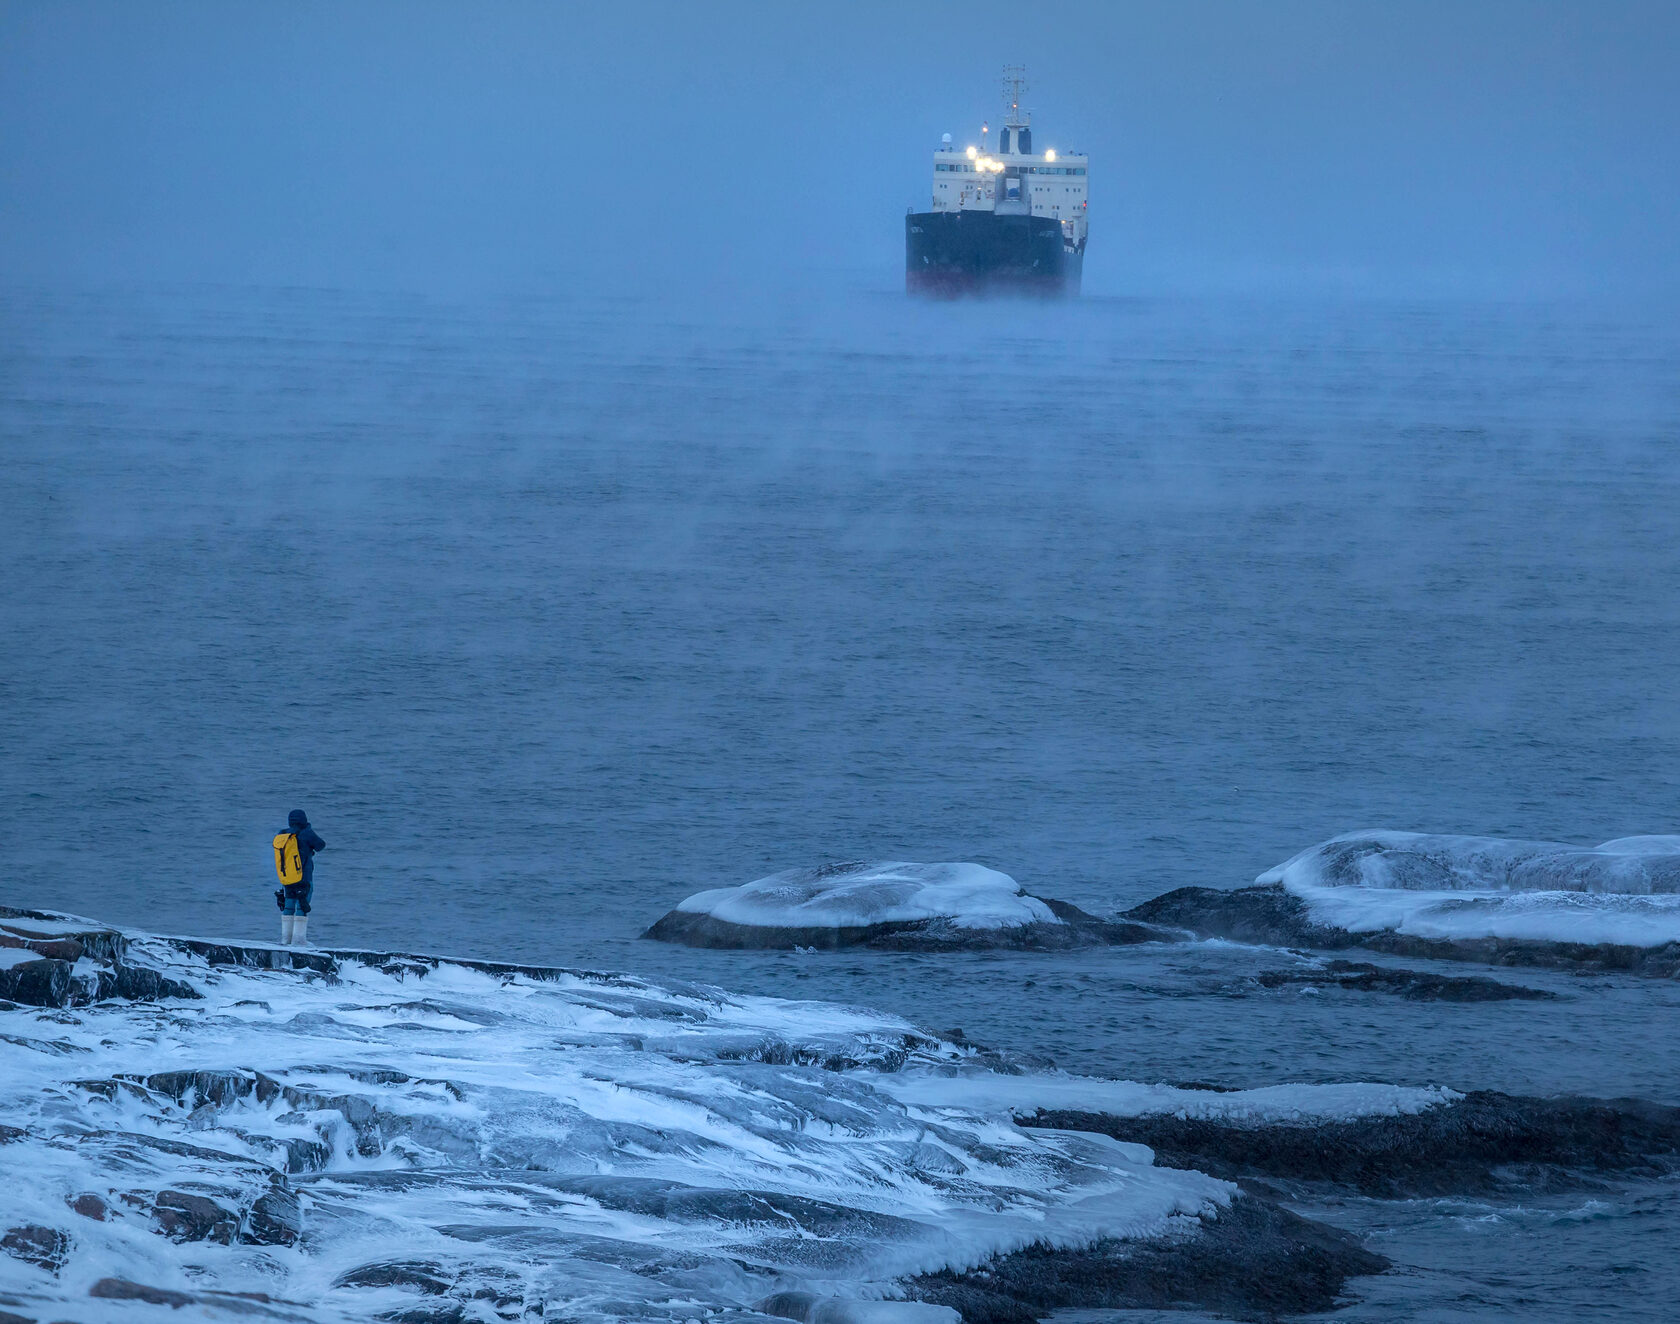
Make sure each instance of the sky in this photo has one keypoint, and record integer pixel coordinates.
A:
(1492, 149)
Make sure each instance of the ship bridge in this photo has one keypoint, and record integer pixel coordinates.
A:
(1011, 178)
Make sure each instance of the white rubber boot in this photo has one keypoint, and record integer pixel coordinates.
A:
(287, 929)
(300, 932)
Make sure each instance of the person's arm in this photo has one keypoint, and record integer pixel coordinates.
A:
(315, 842)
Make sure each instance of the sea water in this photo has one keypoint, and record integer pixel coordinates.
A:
(552, 613)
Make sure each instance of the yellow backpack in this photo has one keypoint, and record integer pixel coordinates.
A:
(287, 862)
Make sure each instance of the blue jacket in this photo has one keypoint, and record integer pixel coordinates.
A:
(309, 841)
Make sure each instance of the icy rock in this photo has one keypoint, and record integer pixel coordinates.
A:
(56, 961)
(1609, 907)
(182, 1216)
(424, 1276)
(926, 907)
(46, 1247)
(1425, 862)
(37, 982)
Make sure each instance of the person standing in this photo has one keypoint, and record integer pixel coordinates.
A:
(294, 860)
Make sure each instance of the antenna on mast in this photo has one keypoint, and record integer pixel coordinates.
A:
(1014, 88)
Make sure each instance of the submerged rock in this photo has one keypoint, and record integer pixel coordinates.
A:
(1483, 1142)
(1413, 985)
(891, 907)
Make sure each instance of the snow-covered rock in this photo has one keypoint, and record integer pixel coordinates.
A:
(1625, 892)
(1426, 862)
(1615, 906)
(890, 904)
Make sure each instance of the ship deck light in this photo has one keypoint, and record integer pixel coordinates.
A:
(1050, 154)
(973, 152)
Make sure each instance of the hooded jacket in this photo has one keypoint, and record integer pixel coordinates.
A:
(309, 841)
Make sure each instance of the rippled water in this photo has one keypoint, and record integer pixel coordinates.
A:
(553, 613)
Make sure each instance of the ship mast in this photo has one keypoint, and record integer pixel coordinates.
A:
(1014, 88)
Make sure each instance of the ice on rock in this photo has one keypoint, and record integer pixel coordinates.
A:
(1625, 892)
(968, 896)
(1269, 1105)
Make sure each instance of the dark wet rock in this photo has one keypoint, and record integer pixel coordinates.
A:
(1484, 1143)
(256, 957)
(1252, 1260)
(424, 1276)
(58, 949)
(10, 1133)
(45, 1247)
(887, 1055)
(56, 1047)
(219, 1197)
(275, 1218)
(183, 1216)
(306, 1155)
(1269, 915)
(51, 980)
(44, 982)
(7, 1317)
(1413, 985)
(134, 983)
(1266, 916)
(217, 1088)
(91, 1206)
(41, 926)
(120, 1289)
(1077, 929)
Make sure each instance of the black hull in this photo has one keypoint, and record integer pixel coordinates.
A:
(947, 254)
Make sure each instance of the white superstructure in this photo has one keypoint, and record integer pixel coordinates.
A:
(1013, 179)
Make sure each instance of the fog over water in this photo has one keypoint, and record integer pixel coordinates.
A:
(551, 612)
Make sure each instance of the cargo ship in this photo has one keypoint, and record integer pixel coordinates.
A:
(1004, 219)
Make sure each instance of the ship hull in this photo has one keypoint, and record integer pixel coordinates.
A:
(950, 254)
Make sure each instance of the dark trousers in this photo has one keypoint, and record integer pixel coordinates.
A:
(297, 898)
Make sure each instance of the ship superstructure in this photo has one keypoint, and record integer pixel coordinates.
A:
(1009, 218)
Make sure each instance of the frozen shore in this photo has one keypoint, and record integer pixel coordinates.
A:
(265, 1133)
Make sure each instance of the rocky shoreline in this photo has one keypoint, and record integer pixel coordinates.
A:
(232, 1173)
